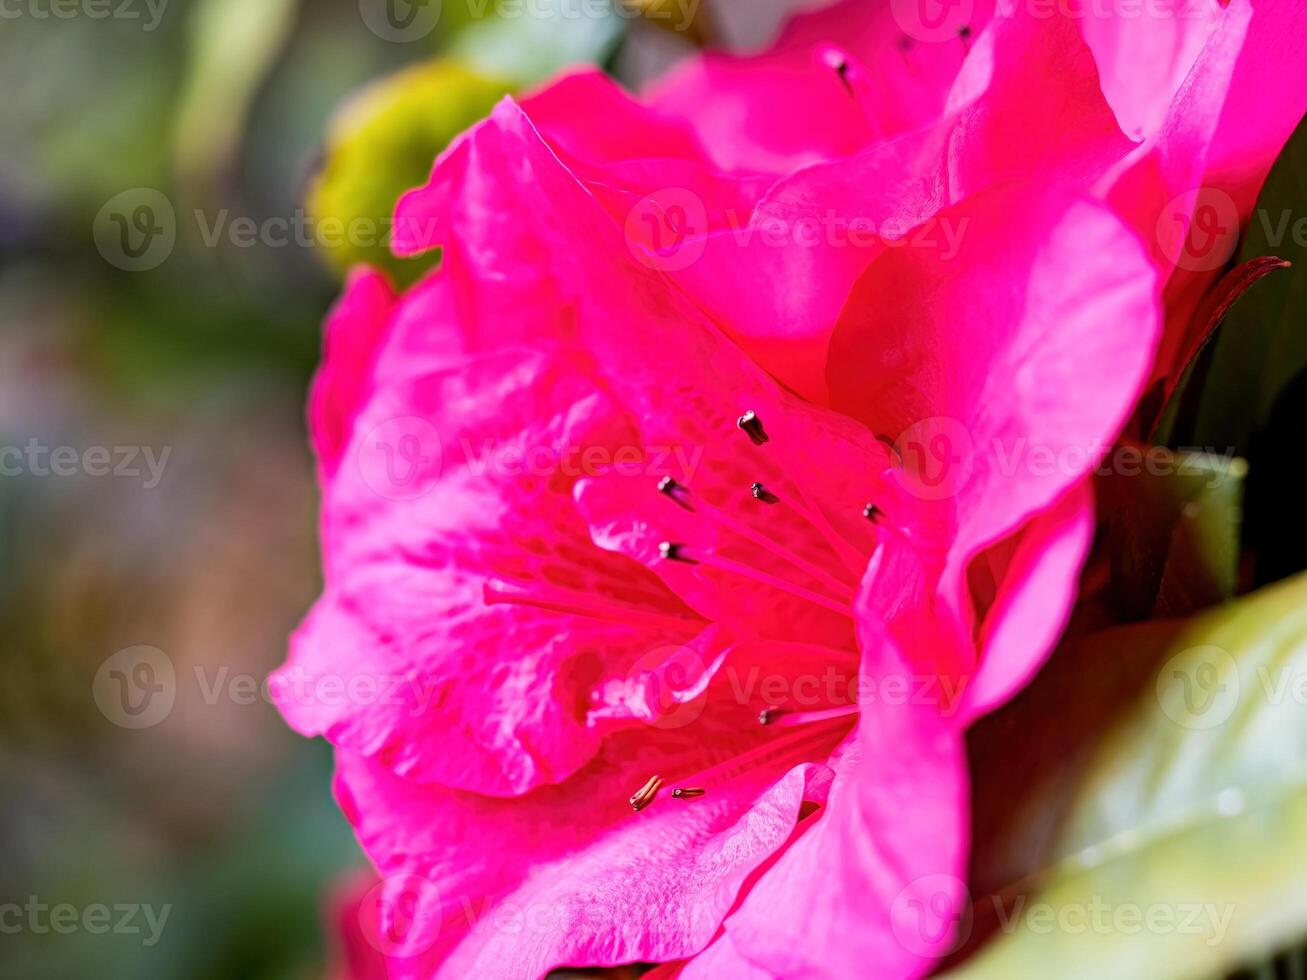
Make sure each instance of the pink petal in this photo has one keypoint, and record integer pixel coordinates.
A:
(1192, 186)
(1027, 105)
(353, 333)
(1144, 60)
(585, 881)
(1059, 315)
(836, 80)
(1037, 591)
(846, 898)
(588, 116)
(402, 658)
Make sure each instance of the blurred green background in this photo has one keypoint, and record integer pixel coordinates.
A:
(200, 350)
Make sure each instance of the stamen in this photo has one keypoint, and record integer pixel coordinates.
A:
(877, 516)
(835, 60)
(780, 718)
(762, 493)
(766, 716)
(779, 749)
(784, 747)
(672, 551)
(498, 592)
(668, 487)
(837, 606)
(855, 561)
(842, 590)
(751, 425)
(646, 793)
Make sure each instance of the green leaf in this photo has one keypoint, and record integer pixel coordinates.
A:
(1141, 810)
(382, 143)
(1263, 342)
(1171, 529)
(1182, 392)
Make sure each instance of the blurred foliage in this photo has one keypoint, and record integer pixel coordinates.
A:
(545, 37)
(1246, 391)
(1262, 344)
(232, 46)
(1164, 769)
(382, 143)
(1170, 530)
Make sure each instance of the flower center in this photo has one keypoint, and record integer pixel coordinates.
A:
(804, 731)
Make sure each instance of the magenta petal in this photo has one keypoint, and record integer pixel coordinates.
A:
(1056, 330)
(1143, 61)
(459, 481)
(353, 334)
(569, 874)
(1027, 106)
(1036, 594)
(857, 75)
(844, 899)
(588, 116)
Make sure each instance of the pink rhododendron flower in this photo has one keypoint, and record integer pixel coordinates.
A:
(666, 561)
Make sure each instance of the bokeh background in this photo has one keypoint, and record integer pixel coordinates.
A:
(195, 353)
(169, 173)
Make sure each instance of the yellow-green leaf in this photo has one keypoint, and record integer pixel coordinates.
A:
(1174, 843)
(382, 143)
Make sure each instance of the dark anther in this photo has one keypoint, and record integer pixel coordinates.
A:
(646, 793)
(751, 425)
(762, 493)
(674, 552)
(688, 793)
(670, 488)
(873, 513)
(840, 64)
(766, 715)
